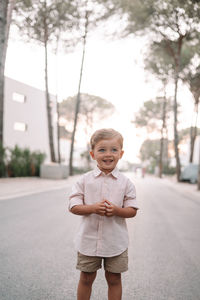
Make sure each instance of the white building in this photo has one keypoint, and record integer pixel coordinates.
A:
(25, 117)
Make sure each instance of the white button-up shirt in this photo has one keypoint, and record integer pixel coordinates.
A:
(101, 235)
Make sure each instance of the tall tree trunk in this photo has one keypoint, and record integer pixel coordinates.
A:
(48, 106)
(167, 147)
(176, 140)
(6, 8)
(3, 46)
(198, 180)
(162, 135)
(11, 5)
(192, 142)
(177, 58)
(57, 103)
(58, 131)
(176, 54)
(78, 99)
(88, 122)
(193, 134)
(161, 154)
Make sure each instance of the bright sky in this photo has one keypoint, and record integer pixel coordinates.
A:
(112, 70)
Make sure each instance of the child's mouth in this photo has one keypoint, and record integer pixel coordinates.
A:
(108, 161)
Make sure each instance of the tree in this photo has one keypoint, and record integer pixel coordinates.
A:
(41, 21)
(192, 78)
(198, 180)
(75, 17)
(149, 153)
(185, 133)
(91, 13)
(162, 65)
(158, 63)
(153, 115)
(78, 99)
(180, 59)
(171, 23)
(92, 109)
(6, 8)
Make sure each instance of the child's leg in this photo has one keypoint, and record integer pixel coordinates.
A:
(85, 285)
(114, 285)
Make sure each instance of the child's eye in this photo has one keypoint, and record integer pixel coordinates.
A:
(101, 150)
(114, 150)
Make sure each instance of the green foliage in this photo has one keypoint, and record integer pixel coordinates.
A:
(19, 162)
(138, 14)
(90, 104)
(173, 26)
(2, 160)
(92, 109)
(191, 77)
(37, 159)
(149, 153)
(77, 170)
(169, 170)
(151, 114)
(43, 21)
(50, 21)
(23, 162)
(64, 133)
(149, 150)
(185, 133)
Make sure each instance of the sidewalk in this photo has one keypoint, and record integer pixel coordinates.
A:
(183, 187)
(22, 186)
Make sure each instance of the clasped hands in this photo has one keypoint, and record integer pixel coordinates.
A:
(105, 208)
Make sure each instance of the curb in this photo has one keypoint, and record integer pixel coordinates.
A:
(23, 186)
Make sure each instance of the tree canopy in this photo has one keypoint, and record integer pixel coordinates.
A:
(92, 109)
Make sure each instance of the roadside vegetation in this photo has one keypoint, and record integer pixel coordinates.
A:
(20, 162)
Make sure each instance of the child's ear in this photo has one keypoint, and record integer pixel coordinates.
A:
(92, 154)
(122, 153)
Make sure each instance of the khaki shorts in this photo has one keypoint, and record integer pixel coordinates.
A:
(115, 264)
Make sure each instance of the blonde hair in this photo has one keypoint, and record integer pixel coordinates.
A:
(105, 134)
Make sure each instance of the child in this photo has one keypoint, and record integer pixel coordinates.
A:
(104, 198)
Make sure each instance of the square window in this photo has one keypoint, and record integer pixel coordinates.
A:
(18, 97)
(19, 126)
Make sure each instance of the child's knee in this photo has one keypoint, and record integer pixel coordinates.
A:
(113, 278)
(87, 278)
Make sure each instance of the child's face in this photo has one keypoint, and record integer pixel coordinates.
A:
(107, 153)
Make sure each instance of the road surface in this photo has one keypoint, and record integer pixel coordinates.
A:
(37, 259)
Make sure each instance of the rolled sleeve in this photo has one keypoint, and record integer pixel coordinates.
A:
(130, 196)
(76, 196)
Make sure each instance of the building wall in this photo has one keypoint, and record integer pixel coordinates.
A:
(25, 120)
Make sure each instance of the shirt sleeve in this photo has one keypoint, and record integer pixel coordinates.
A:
(76, 196)
(130, 196)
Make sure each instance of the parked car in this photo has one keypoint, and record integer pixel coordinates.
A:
(190, 173)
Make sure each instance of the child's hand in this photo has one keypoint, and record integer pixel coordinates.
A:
(111, 209)
(100, 208)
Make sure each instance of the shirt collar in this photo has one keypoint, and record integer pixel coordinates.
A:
(114, 173)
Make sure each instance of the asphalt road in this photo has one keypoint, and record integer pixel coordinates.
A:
(37, 259)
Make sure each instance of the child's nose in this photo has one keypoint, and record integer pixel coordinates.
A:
(108, 152)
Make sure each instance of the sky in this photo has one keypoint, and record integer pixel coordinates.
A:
(113, 70)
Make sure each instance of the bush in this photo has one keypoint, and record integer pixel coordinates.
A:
(169, 170)
(37, 159)
(23, 162)
(77, 170)
(2, 161)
